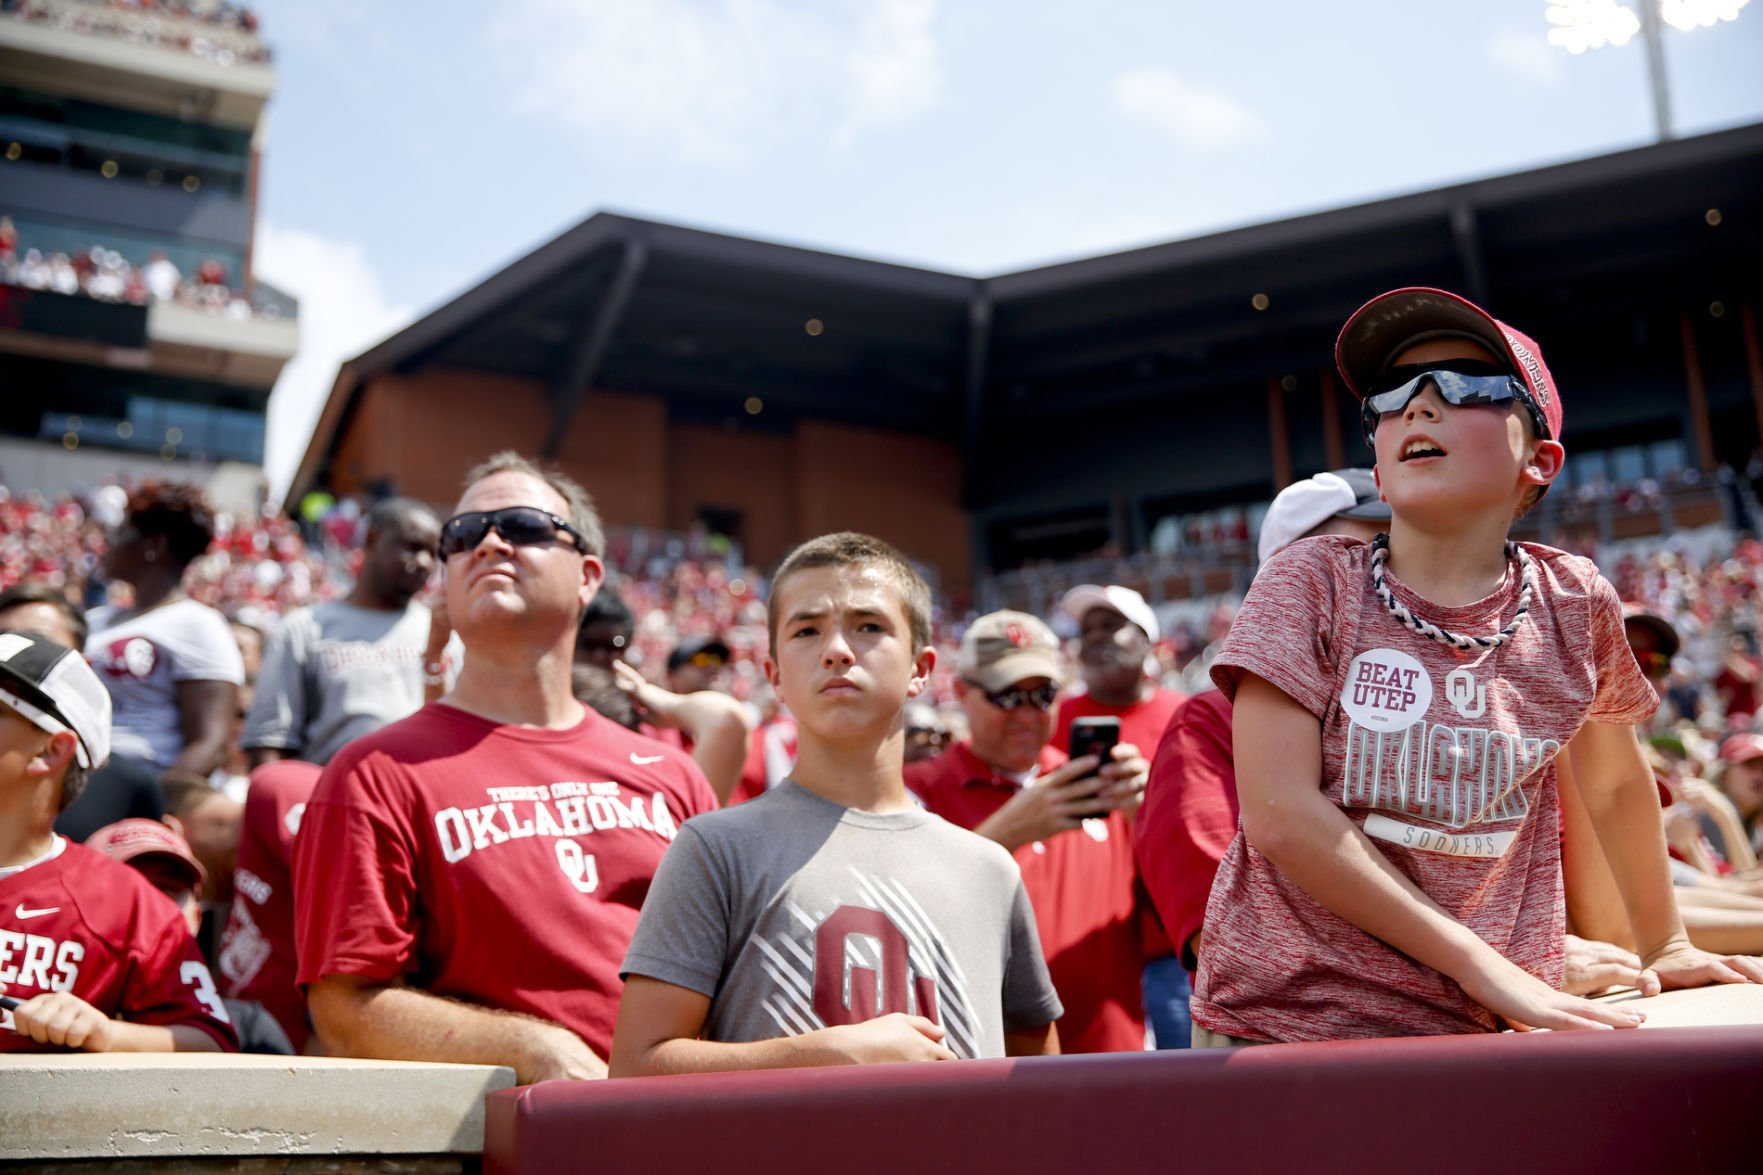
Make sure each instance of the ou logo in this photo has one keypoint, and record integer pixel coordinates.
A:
(1467, 696)
(578, 866)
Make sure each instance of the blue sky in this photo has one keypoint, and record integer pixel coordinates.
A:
(414, 149)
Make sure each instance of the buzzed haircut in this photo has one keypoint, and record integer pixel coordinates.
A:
(40, 593)
(581, 506)
(391, 511)
(851, 549)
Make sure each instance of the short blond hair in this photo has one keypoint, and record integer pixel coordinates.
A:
(581, 511)
(850, 549)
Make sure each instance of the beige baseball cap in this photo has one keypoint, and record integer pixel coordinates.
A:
(1003, 648)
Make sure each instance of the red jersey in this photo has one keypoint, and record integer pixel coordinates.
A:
(83, 923)
(1189, 816)
(257, 957)
(1082, 884)
(1445, 759)
(1142, 725)
(499, 865)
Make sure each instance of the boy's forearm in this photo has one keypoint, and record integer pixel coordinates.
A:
(1622, 803)
(158, 1038)
(671, 1057)
(1594, 902)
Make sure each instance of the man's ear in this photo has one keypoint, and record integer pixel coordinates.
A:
(768, 666)
(1545, 463)
(922, 667)
(593, 575)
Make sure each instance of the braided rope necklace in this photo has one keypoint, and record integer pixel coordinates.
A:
(1380, 553)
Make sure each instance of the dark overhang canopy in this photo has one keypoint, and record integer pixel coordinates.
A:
(707, 320)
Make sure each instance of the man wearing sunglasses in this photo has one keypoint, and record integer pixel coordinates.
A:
(1066, 823)
(467, 879)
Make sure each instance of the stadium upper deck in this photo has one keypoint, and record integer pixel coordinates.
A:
(133, 335)
(778, 391)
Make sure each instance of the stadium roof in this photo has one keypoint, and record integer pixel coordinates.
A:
(706, 320)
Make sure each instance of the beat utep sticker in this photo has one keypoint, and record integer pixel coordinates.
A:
(1386, 690)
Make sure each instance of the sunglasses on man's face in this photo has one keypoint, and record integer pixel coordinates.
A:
(1459, 383)
(1040, 697)
(519, 526)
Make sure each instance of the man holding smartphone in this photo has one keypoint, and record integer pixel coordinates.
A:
(1067, 823)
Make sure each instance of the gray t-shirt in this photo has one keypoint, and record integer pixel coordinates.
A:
(794, 913)
(334, 672)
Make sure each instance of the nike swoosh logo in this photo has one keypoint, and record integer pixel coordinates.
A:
(645, 760)
(23, 913)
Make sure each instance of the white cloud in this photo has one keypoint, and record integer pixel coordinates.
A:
(1191, 115)
(1527, 56)
(717, 81)
(343, 311)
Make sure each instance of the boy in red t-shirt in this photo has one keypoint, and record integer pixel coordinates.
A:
(92, 957)
(1401, 712)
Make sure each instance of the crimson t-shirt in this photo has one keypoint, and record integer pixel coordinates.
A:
(500, 865)
(1446, 759)
(257, 955)
(1141, 723)
(1082, 886)
(83, 923)
(1189, 815)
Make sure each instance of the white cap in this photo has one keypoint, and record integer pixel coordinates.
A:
(1302, 506)
(1125, 601)
(54, 689)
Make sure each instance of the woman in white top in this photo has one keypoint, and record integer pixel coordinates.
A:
(171, 664)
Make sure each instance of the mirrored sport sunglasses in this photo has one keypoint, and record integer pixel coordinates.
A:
(1458, 385)
(1040, 697)
(519, 526)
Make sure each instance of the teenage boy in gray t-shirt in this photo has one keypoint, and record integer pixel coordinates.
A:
(830, 921)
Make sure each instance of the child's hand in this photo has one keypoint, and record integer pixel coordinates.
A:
(894, 1037)
(1678, 964)
(1593, 966)
(62, 1018)
(1526, 1002)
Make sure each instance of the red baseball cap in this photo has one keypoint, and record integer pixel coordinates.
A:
(136, 837)
(1382, 327)
(1742, 748)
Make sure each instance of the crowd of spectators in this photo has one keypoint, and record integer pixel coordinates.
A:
(107, 276)
(217, 31)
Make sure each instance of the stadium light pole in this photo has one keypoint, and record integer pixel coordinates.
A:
(1580, 25)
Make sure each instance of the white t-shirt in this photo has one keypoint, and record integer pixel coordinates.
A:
(141, 658)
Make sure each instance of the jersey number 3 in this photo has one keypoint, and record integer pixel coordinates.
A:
(197, 976)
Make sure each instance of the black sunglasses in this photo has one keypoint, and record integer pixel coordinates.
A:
(519, 526)
(1459, 383)
(1040, 697)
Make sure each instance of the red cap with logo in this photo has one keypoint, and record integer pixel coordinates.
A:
(1384, 326)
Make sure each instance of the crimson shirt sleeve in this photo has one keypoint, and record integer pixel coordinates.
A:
(1189, 815)
(356, 910)
(1283, 632)
(169, 984)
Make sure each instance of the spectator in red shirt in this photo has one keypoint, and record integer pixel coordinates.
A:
(467, 879)
(92, 957)
(1067, 824)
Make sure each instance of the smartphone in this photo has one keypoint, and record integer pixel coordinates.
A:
(1094, 736)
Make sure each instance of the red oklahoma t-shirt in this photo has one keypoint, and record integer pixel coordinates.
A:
(83, 923)
(1082, 886)
(1445, 759)
(257, 956)
(1189, 815)
(499, 865)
